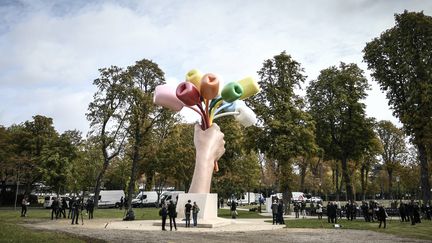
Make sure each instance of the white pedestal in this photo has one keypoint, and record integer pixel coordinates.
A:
(207, 202)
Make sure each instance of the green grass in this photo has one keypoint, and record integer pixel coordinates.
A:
(12, 231)
(394, 227)
(226, 213)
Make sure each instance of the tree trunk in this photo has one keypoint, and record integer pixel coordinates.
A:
(348, 186)
(390, 182)
(424, 174)
(337, 182)
(99, 181)
(363, 183)
(285, 185)
(303, 168)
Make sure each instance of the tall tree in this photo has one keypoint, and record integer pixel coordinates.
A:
(401, 62)
(143, 77)
(107, 115)
(393, 144)
(287, 131)
(335, 104)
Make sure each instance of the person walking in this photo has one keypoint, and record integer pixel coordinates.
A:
(274, 208)
(172, 215)
(163, 213)
(121, 203)
(188, 208)
(24, 204)
(381, 215)
(195, 211)
(63, 208)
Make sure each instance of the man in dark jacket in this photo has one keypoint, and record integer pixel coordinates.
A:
(55, 208)
(188, 208)
(164, 213)
(281, 212)
(274, 208)
(381, 215)
(172, 213)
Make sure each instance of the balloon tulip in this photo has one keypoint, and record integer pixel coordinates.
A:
(246, 116)
(250, 87)
(232, 92)
(165, 96)
(188, 94)
(194, 76)
(209, 86)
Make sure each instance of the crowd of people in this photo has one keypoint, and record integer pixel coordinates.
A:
(75, 207)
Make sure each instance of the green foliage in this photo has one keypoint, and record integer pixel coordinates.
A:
(342, 130)
(285, 129)
(401, 62)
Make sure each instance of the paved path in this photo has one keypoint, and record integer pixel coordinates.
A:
(239, 230)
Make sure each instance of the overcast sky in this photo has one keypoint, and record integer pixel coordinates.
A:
(50, 51)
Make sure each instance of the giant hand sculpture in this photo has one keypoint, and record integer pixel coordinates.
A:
(201, 94)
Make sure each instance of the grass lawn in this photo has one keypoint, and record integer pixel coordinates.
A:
(11, 231)
(394, 227)
(226, 213)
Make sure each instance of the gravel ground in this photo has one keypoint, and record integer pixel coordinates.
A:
(246, 230)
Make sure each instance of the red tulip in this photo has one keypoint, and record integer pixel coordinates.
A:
(188, 94)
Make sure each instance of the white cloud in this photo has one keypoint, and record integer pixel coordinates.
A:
(51, 51)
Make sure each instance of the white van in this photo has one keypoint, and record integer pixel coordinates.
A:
(169, 195)
(247, 198)
(48, 201)
(146, 199)
(110, 198)
(297, 197)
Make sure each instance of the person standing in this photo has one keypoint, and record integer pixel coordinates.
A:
(121, 203)
(402, 212)
(71, 202)
(319, 210)
(281, 212)
(296, 210)
(188, 208)
(274, 208)
(381, 216)
(303, 209)
(76, 210)
(163, 213)
(195, 211)
(24, 204)
(63, 207)
(233, 209)
(54, 208)
(172, 214)
(90, 208)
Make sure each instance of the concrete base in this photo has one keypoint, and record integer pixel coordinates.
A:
(207, 216)
(212, 223)
(207, 202)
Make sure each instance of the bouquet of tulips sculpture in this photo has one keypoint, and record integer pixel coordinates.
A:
(202, 94)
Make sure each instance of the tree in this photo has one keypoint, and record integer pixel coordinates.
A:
(393, 144)
(401, 62)
(107, 116)
(57, 157)
(286, 130)
(142, 78)
(342, 129)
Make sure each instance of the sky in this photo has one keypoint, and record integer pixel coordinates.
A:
(50, 51)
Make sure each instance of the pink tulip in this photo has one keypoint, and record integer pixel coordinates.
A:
(165, 95)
